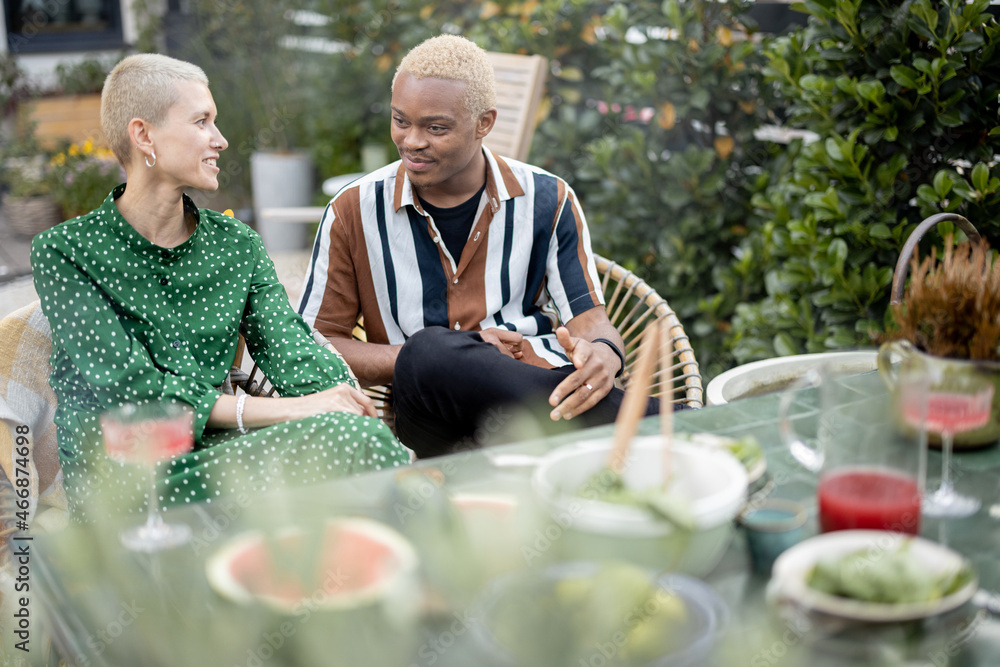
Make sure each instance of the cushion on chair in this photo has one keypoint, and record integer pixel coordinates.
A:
(27, 400)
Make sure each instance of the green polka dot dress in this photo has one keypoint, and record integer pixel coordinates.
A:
(133, 321)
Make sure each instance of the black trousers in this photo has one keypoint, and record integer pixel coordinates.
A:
(447, 384)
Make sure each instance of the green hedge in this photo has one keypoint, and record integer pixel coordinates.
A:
(904, 99)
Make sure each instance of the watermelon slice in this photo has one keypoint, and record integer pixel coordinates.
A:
(353, 563)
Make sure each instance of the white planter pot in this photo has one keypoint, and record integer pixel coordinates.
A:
(281, 179)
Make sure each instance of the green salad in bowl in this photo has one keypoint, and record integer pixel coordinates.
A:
(873, 575)
(889, 577)
(625, 615)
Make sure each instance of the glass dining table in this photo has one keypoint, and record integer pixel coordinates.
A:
(104, 605)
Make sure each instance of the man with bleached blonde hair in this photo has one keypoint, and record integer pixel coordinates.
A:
(463, 263)
(455, 59)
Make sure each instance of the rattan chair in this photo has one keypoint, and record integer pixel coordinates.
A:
(632, 304)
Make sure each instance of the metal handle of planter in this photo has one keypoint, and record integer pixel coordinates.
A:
(903, 263)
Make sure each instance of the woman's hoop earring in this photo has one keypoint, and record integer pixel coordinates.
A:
(153, 153)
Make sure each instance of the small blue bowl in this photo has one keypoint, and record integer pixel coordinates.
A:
(772, 526)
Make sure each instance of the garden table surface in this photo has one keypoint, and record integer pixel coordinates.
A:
(106, 606)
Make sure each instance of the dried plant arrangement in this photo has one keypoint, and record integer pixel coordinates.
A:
(951, 307)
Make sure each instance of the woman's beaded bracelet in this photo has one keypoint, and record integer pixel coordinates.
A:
(239, 413)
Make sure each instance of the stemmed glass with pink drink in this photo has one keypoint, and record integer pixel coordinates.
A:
(957, 404)
(146, 434)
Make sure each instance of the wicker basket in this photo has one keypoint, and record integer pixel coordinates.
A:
(29, 215)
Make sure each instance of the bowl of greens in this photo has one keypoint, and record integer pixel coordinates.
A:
(873, 575)
(610, 613)
(669, 511)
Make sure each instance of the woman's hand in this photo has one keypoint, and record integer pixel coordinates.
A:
(342, 398)
(260, 411)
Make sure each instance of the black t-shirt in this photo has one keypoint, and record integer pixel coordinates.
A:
(455, 223)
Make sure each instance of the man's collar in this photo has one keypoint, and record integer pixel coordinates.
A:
(500, 184)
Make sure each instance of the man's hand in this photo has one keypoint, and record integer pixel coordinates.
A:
(510, 343)
(596, 365)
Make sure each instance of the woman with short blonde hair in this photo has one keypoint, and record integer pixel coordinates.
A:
(147, 296)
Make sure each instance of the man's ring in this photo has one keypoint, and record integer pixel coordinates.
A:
(589, 388)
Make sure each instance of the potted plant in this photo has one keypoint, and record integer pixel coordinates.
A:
(14, 86)
(25, 171)
(947, 325)
(81, 176)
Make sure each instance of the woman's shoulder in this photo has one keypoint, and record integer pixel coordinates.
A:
(68, 233)
(224, 220)
(227, 225)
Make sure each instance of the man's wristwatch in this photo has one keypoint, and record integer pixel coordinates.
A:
(621, 355)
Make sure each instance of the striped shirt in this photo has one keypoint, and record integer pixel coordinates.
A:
(526, 266)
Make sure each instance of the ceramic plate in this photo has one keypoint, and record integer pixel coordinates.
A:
(771, 375)
(792, 567)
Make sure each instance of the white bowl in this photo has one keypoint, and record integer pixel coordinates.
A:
(771, 375)
(543, 628)
(792, 569)
(713, 480)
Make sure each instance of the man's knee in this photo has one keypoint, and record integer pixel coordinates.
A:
(421, 355)
(430, 351)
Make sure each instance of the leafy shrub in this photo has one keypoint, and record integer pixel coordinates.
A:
(904, 100)
(667, 184)
(14, 85)
(84, 77)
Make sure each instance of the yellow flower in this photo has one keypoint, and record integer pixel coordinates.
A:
(88, 147)
(724, 35)
(74, 150)
(58, 160)
(724, 146)
(489, 10)
(668, 116)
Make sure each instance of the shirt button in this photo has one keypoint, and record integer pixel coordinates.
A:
(457, 326)
(176, 345)
(164, 281)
